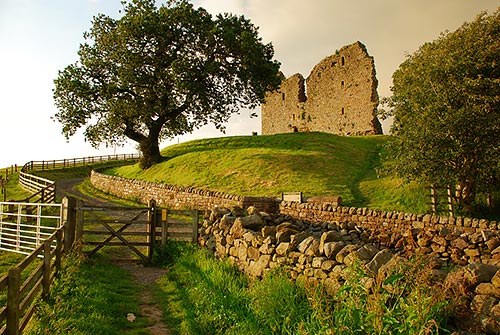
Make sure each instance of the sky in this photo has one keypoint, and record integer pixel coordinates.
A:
(40, 37)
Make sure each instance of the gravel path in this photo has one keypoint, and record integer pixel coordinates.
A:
(145, 277)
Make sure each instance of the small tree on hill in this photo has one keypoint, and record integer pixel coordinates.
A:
(446, 107)
(160, 72)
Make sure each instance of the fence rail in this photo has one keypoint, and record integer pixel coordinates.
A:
(74, 162)
(54, 229)
(28, 280)
(44, 190)
(25, 226)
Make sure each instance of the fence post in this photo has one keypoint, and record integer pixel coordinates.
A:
(46, 270)
(433, 199)
(450, 201)
(59, 240)
(79, 221)
(13, 300)
(195, 225)
(164, 227)
(69, 222)
(151, 228)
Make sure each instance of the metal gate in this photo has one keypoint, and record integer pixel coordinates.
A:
(25, 226)
(134, 229)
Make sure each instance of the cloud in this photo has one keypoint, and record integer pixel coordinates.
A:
(37, 39)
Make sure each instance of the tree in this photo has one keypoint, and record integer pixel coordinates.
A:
(160, 72)
(446, 107)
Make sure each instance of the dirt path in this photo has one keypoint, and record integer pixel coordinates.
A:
(145, 277)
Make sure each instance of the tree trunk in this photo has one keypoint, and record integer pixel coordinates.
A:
(150, 152)
(467, 196)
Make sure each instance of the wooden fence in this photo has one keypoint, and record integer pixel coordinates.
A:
(74, 162)
(139, 229)
(170, 227)
(33, 276)
(26, 281)
(439, 193)
(4, 178)
(44, 190)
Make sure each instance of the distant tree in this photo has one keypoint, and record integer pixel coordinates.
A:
(446, 107)
(160, 72)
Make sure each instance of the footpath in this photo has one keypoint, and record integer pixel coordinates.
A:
(145, 277)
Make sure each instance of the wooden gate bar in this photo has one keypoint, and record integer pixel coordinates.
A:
(104, 217)
(151, 228)
(125, 242)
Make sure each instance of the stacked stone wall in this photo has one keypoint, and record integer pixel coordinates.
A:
(324, 251)
(459, 240)
(175, 197)
(320, 240)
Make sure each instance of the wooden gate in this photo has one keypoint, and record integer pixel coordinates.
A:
(135, 229)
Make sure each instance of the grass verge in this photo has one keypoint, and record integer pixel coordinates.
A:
(14, 191)
(203, 295)
(91, 296)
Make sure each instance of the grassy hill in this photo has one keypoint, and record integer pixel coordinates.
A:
(313, 163)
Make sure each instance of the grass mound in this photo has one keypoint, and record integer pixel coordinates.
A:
(317, 164)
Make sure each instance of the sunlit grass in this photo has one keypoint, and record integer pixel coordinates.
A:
(91, 296)
(203, 295)
(316, 164)
(312, 163)
(14, 191)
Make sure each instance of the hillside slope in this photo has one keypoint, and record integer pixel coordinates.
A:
(313, 163)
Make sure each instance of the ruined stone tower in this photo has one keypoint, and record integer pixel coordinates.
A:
(341, 97)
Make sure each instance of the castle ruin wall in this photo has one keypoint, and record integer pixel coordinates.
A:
(341, 97)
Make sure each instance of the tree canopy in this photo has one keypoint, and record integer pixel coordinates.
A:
(156, 73)
(446, 107)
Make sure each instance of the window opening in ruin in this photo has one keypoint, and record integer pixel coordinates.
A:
(342, 111)
(295, 130)
(282, 96)
(293, 117)
(342, 61)
(342, 84)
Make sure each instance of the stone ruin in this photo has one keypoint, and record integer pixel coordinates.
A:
(339, 97)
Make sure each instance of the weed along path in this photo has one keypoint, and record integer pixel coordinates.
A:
(144, 277)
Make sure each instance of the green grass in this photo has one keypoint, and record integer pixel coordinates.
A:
(91, 296)
(13, 190)
(317, 164)
(8, 260)
(390, 193)
(78, 171)
(203, 295)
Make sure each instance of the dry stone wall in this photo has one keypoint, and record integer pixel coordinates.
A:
(318, 240)
(341, 97)
(458, 240)
(323, 251)
(175, 197)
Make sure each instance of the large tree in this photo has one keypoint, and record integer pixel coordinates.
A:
(446, 107)
(160, 72)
